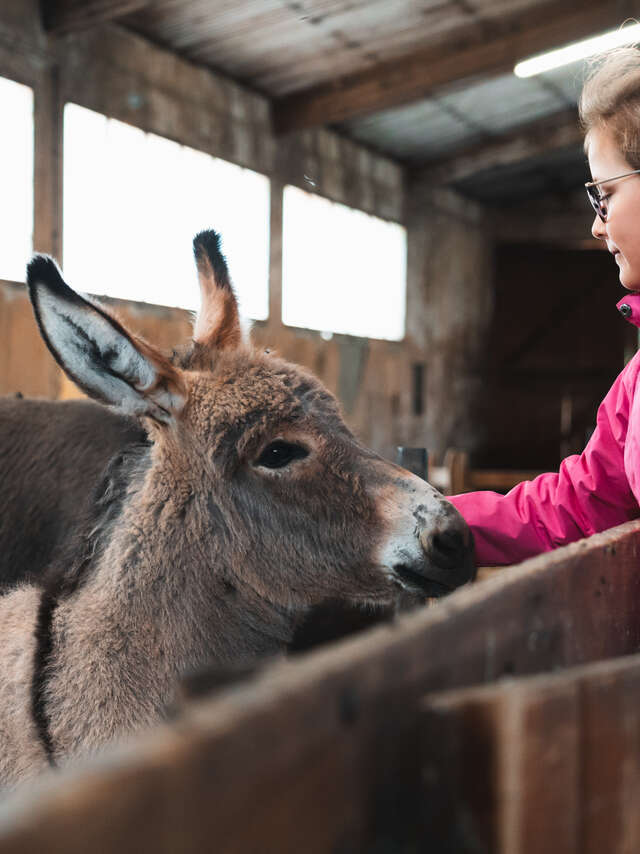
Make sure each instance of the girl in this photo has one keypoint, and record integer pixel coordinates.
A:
(599, 488)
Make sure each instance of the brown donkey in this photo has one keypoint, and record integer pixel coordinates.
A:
(248, 502)
(53, 463)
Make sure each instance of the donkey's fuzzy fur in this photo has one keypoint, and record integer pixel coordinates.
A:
(249, 502)
(52, 456)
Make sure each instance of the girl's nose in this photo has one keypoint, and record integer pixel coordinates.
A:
(598, 228)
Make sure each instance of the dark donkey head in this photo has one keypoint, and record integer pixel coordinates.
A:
(254, 484)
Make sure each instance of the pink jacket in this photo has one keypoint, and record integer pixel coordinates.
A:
(591, 492)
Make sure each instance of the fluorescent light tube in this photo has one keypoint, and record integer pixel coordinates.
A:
(577, 50)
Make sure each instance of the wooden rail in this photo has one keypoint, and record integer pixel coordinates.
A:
(455, 475)
(325, 753)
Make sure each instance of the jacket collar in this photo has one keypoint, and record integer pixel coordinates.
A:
(629, 308)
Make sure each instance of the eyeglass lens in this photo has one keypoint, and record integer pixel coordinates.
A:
(597, 202)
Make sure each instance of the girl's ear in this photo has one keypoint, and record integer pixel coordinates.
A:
(217, 325)
(98, 353)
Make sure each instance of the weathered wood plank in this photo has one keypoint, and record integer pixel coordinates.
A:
(298, 46)
(323, 751)
(546, 763)
(64, 16)
(561, 130)
(610, 741)
(501, 768)
(25, 364)
(419, 74)
(47, 186)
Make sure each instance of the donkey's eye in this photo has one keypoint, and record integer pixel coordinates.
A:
(279, 454)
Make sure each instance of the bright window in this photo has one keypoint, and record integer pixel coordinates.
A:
(133, 202)
(342, 270)
(16, 179)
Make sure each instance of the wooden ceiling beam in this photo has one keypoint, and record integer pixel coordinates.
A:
(560, 130)
(65, 16)
(554, 219)
(420, 74)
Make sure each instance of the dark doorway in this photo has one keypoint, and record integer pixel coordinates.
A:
(555, 345)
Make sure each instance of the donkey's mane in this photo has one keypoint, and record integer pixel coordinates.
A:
(71, 566)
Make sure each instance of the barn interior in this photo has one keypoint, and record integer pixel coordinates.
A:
(408, 112)
(406, 217)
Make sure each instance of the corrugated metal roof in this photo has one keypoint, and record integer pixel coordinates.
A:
(460, 117)
(421, 131)
(498, 106)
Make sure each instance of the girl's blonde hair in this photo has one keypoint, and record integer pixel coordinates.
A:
(611, 99)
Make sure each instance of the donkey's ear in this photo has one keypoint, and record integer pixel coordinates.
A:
(98, 353)
(218, 323)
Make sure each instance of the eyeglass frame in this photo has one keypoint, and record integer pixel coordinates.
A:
(596, 200)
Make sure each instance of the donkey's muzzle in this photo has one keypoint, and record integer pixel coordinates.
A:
(449, 554)
(430, 551)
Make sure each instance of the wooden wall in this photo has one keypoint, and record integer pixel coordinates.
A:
(557, 342)
(451, 278)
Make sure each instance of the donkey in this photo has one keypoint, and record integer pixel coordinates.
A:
(59, 460)
(248, 501)
(53, 457)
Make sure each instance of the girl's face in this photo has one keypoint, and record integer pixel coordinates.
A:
(621, 231)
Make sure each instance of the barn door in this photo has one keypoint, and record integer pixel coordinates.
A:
(555, 345)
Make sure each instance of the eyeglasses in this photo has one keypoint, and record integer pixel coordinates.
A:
(598, 201)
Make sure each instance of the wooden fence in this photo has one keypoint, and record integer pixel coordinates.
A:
(540, 764)
(368, 746)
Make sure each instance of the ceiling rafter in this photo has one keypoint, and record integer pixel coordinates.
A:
(560, 130)
(65, 16)
(418, 75)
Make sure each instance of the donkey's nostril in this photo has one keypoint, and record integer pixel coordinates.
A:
(447, 549)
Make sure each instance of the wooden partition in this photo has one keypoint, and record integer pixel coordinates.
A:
(539, 764)
(325, 753)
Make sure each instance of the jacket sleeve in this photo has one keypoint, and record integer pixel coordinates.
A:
(590, 493)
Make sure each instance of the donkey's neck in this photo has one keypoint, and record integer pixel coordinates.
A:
(158, 604)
